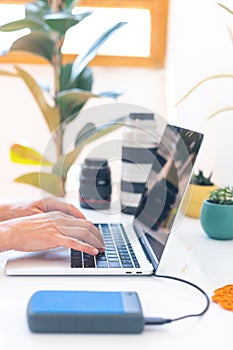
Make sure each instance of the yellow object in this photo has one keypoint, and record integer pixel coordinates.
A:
(194, 198)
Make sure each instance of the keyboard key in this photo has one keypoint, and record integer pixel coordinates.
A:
(125, 265)
(101, 264)
(101, 257)
(114, 264)
(88, 260)
(76, 264)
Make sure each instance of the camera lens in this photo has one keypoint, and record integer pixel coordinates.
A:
(95, 184)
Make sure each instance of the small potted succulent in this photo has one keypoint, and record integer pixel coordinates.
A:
(217, 214)
(198, 190)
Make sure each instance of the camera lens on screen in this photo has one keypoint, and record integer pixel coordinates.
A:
(95, 184)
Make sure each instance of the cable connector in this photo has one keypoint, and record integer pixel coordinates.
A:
(156, 320)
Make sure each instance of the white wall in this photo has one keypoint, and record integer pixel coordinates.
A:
(199, 45)
(21, 120)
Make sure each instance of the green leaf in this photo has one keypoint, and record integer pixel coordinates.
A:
(85, 132)
(91, 131)
(47, 182)
(83, 59)
(72, 99)
(62, 21)
(22, 24)
(64, 163)
(84, 80)
(26, 155)
(51, 114)
(70, 4)
(36, 10)
(64, 75)
(37, 43)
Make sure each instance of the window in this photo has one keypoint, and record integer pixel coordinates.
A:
(146, 21)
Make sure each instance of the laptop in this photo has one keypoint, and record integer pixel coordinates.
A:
(137, 247)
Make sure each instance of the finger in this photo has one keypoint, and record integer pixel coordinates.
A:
(53, 204)
(73, 243)
(71, 210)
(72, 222)
(82, 234)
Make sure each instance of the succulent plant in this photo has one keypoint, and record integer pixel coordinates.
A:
(223, 196)
(201, 179)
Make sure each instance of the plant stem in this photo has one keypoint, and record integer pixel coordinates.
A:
(56, 5)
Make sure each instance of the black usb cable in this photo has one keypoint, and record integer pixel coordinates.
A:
(160, 320)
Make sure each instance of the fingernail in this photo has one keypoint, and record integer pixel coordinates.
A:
(95, 251)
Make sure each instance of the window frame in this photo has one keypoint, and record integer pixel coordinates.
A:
(159, 14)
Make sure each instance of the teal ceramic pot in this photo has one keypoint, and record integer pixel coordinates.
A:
(217, 220)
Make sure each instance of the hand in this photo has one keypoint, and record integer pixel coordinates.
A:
(51, 230)
(26, 208)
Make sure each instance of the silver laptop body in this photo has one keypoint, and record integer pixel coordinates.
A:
(145, 238)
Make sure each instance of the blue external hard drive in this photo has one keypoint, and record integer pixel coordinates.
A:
(56, 311)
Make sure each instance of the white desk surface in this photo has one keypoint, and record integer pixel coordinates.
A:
(189, 254)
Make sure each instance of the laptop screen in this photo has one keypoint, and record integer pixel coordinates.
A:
(165, 188)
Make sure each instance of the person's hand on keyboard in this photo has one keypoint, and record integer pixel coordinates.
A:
(31, 207)
(50, 230)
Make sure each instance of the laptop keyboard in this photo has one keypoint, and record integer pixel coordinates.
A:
(118, 251)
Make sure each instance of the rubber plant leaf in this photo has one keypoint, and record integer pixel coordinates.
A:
(37, 43)
(73, 100)
(84, 80)
(83, 59)
(62, 21)
(90, 130)
(37, 9)
(70, 100)
(70, 4)
(45, 181)
(77, 109)
(64, 163)
(32, 24)
(27, 155)
(51, 114)
(86, 131)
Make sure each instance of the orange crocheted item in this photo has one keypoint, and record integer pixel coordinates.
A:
(224, 297)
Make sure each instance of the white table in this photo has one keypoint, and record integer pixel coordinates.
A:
(189, 254)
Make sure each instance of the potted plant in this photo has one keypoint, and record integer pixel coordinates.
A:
(217, 214)
(48, 21)
(198, 190)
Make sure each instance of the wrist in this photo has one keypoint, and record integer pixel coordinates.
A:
(6, 238)
(5, 212)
